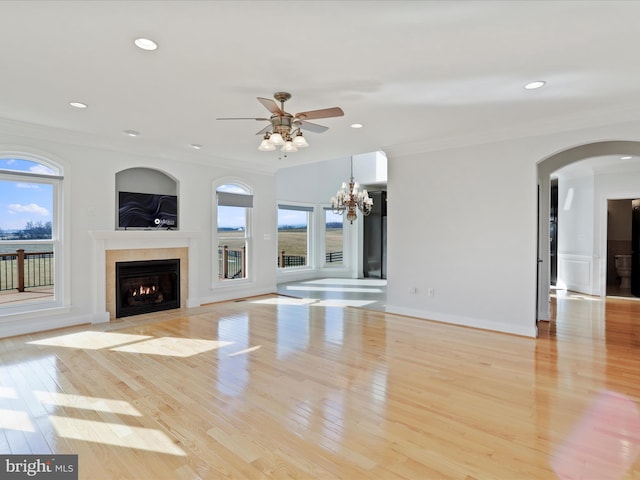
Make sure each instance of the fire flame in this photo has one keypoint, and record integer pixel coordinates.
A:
(144, 290)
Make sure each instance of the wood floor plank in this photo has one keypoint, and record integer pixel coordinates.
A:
(263, 389)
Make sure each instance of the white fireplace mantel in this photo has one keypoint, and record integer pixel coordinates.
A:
(104, 240)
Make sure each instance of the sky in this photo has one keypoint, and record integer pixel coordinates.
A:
(22, 202)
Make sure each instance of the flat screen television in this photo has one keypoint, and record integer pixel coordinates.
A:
(147, 210)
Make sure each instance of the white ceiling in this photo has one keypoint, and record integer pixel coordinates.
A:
(417, 74)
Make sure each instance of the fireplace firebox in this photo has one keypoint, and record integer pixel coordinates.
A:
(147, 286)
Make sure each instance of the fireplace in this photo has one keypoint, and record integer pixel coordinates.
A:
(147, 286)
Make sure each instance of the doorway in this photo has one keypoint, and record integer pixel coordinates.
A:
(620, 232)
(553, 233)
(374, 245)
(612, 150)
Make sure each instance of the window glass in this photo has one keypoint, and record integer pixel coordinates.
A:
(233, 231)
(22, 165)
(293, 237)
(333, 244)
(28, 239)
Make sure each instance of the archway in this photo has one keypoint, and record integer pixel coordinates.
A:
(545, 168)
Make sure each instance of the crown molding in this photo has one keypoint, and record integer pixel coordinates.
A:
(123, 145)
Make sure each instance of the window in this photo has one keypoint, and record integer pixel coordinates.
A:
(293, 235)
(29, 238)
(333, 238)
(234, 204)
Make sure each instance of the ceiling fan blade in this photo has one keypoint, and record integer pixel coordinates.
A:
(264, 130)
(271, 106)
(323, 113)
(243, 118)
(312, 127)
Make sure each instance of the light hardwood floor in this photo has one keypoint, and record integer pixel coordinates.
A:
(277, 387)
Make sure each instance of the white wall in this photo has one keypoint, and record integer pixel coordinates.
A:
(583, 225)
(577, 259)
(472, 214)
(462, 222)
(89, 196)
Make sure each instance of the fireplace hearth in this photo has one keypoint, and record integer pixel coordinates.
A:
(147, 286)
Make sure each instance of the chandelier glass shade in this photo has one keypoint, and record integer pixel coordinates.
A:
(350, 197)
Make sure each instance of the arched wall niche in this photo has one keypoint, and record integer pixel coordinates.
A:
(145, 180)
(142, 180)
(545, 168)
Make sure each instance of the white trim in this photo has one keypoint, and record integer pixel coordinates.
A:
(480, 323)
(139, 239)
(216, 282)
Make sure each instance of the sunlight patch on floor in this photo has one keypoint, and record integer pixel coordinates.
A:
(333, 289)
(115, 434)
(341, 302)
(90, 340)
(348, 281)
(8, 392)
(170, 346)
(245, 351)
(15, 420)
(285, 301)
(315, 302)
(87, 403)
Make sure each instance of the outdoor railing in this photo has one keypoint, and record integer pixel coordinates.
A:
(333, 257)
(232, 263)
(22, 270)
(285, 260)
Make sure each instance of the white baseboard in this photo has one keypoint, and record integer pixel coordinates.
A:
(479, 323)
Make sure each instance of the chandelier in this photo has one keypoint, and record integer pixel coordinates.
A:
(349, 197)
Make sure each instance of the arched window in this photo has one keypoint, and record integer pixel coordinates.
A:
(30, 253)
(234, 204)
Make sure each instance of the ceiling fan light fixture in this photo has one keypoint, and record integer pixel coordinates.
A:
(288, 147)
(266, 145)
(299, 141)
(285, 129)
(276, 139)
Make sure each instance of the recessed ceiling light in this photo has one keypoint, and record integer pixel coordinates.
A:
(357, 125)
(626, 157)
(145, 44)
(534, 85)
(196, 146)
(131, 133)
(78, 104)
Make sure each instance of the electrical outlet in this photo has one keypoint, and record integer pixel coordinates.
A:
(430, 292)
(413, 290)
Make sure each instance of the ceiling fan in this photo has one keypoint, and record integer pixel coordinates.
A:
(285, 129)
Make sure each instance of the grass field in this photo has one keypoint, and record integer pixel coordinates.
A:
(34, 247)
(293, 242)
